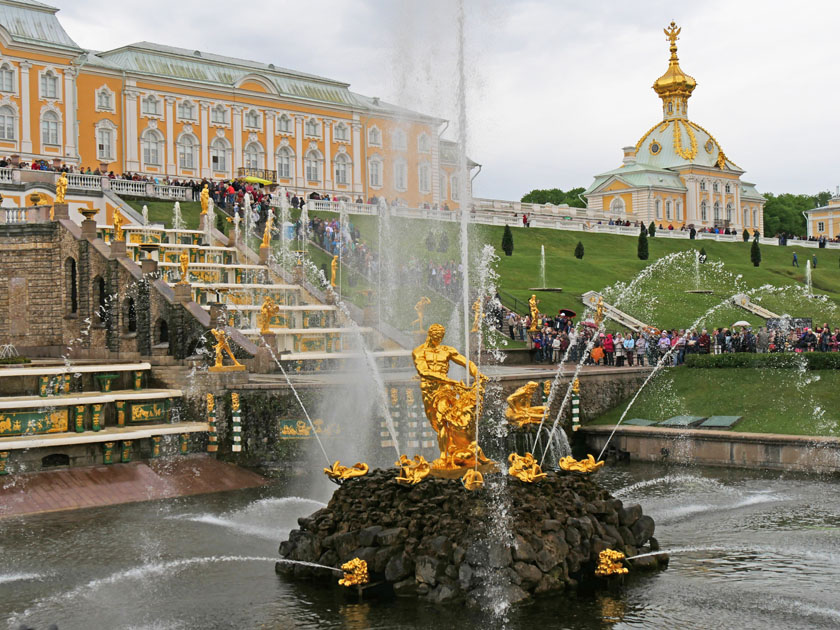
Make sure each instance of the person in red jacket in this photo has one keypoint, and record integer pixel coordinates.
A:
(609, 350)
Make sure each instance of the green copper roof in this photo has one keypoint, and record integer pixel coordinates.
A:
(31, 22)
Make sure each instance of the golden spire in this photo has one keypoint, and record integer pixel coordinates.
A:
(675, 86)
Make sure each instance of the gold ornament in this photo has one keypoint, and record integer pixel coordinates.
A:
(599, 312)
(587, 465)
(222, 347)
(268, 311)
(205, 199)
(184, 262)
(417, 324)
(532, 303)
(118, 225)
(333, 271)
(686, 154)
(546, 387)
(266, 240)
(520, 411)
(413, 472)
(609, 563)
(211, 403)
(355, 573)
(61, 188)
(234, 402)
(337, 471)
(472, 479)
(477, 317)
(525, 468)
(576, 386)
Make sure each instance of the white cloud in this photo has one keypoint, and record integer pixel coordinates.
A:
(555, 88)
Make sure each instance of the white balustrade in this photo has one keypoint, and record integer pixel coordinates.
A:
(13, 215)
(87, 182)
(180, 193)
(6, 176)
(128, 187)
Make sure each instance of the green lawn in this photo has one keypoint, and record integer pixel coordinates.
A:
(784, 401)
(161, 211)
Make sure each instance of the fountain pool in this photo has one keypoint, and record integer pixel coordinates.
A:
(748, 550)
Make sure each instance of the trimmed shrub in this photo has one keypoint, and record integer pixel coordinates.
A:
(755, 254)
(579, 251)
(652, 229)
(507, 241)
(746, 235)
(642, 249)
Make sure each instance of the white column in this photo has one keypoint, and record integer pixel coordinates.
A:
(300, 181)
(237, 139)
(690, 208)
(327, 154)
(70, 113)
(358, 167)
(270, 160)
(738, 206)
(25, 116)
(204, 107)
(132, 163)
(169, 112)
(435, 169)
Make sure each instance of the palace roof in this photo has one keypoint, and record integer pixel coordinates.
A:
(32, 22)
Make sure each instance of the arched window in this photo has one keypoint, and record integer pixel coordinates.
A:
(443, 181)
(729, 213)
(106, 135)
(746, 217)
(51, 128)
(617, 206)
(668, 210)
(218, 115)
(375, 137)
(679, 211)
(161, 332)
(704, 215)
(100, 302)
(400, 175)
(455, 188)
(400, 142)
(312, 128)
(218, 155)
(7, 78)
(129, 316)
(150, 106)
(186, 110)
(71, 286)
(252, 119)
(49, 85)
(8, 123)
(342, 132)
(312, 166)
(423, 143)
(658, 209)
(284, 124)
(285, 163)
(254, 155)
(187, 149)
(755, 218)
(375, 170)
(152, 143)
(424, 178)
(717, 212)
(342, 164)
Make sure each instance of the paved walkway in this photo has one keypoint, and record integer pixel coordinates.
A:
(94, 486)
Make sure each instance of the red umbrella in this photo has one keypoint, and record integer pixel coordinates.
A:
(590, 324)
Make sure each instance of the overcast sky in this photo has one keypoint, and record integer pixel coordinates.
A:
(555, 88)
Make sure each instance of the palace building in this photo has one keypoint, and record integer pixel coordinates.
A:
(825, 220)
(677, 174)
(169, 112)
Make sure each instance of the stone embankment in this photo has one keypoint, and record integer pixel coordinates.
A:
(439, 542)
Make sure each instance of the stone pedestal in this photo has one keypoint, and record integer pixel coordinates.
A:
(183, 293)
(330, 296)
(117, 249)
(263, 361)
(89, 229)
(218, 315)
(264, 254)
(61, 211)
(148, 265)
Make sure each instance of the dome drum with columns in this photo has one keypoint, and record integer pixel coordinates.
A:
(677, 173)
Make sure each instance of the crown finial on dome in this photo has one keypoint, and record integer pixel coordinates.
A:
(675, 86)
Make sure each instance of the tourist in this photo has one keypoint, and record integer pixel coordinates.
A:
(795, 260)
(641, 347)
(814, 261)
(609, 349)
(629, 348)
(618, 341)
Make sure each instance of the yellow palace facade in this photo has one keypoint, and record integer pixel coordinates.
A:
(677, 174)
(169, 112)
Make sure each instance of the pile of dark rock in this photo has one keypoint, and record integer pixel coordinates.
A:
(439, 542)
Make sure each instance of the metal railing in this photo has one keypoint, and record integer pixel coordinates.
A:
(260, 173)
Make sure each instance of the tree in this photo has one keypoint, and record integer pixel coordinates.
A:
(652, 229)
(783, 213)
(642, 249)
(703, 254)
(746, 235)
(579, 251)
(507, 241)
(755, 254)
(556, 196)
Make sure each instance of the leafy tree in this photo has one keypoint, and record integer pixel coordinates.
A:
(652, 229)
(556, 196)
(579, 251)
(755, 254)
(507, 241)
(703, 254)
(746, 235)
(783, 213)
(642, 249)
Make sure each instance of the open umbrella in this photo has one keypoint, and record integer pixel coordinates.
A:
(590, 324)
(566, 312)
(741, 322)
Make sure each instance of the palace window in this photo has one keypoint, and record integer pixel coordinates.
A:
(702, 185)
(729, 213)
(375, 170)
(284, 124)
(252, 119)
(617, 206)
(716, 187)
(746, 217)
(104, 100)
(342, 132)
(401, 175)
(218, 115)
(820, 227)
(51, 129)
(423, 143)
(218, 155)
(254, 155)
(7, 78)
(658, 209)
(399, 139)
(668, 210)
(152, 143)
(455, 188)
(8, 123)
(312, 164)
(375, 137)
(443, 180)
(49, 85)
(186, 110)
(717, 212)
(284, 163)
(727, 188)
(755, 218)
(104, 142)
(424, 178)
(150, 106)
(312, 128)
(187, 145)
(704, 215)
(341, 169)
(679, 211)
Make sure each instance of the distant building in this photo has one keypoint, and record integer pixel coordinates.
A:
(825, 221)
(677, 173)
(168, 112)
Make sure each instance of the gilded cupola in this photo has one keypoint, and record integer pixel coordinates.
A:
(675, 86)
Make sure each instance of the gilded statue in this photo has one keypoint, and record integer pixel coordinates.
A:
(337, 472)
(576, 387)
(333, 270)
(451, 406)
(476, 316)
(355, 573)
(268, 311)
(599, 312)
(421, 305)
(535, 313)
(609, 563)
(61, 188)
(222, 347)
(205, 199)
(525, 468)
(184, 262)
(269, 223)
(520, 411)
(472, 479)
(587, 465)
(413, 471)
(118, 225)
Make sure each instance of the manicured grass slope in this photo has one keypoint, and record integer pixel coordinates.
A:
(784, 401)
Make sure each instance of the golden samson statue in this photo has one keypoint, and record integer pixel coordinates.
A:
(451, 406)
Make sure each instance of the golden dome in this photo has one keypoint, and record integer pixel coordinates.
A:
(675, 86)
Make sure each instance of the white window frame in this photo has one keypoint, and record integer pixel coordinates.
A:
(312, 128)
(454, 187)
(8, 122)
(715, 187)
(375, 171)
(727, 188)
(755, 218)
(104, 90)
(54, 131)
(152, 147)
(180, 148)
(342, 133)
(257, 122)
(617, 207)
(443, 183)
(704, 212)
(668, 210)
(221, 150)
(729, 213)
(312, 161)
(820, 226)
(424, 178)
(703, 186)
(106, 151)
(145, 111)
(8, 70)
(678, 211)
(280, 124)
(219, 111)
(342, 169)
(43, 74)
(285, 153)
(658, 205)
(254, 155)
(374, 135)
(399, 140)
(716, 211)
(400, 175)
(424, 143)
(179, 110)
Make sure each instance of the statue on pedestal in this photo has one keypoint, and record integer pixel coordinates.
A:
(268, 311)
(184, 261)
(205, 199)
(222, 347)
(61, 188)
(333, 269)
(417, 324)
(118, 225)
(535, 313)
(520, 411)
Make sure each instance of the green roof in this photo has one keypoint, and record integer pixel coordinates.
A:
(31, 22)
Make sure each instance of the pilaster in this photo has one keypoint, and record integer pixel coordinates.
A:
(270, 158)
(357, 158)
(204, 108)
(299, 175)
(25, 115)
(327, 126)
(169, 113)
(131, 138)
(70, 149)
(237, 139)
